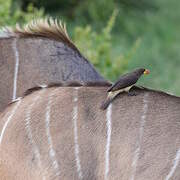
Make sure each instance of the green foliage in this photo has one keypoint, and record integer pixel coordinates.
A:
(10, 15)
(142, 34)
(159, 47)
(98, 48)
(96, 12)
(88, 10)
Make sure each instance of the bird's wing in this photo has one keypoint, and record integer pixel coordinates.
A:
(124, 81)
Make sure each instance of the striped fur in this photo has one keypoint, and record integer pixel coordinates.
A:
(61, 133)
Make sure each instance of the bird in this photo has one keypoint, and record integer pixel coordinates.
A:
(124, 83)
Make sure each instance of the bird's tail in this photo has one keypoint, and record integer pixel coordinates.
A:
(106, 103)
(109, 99)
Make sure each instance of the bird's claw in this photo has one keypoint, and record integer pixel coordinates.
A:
(132, 93)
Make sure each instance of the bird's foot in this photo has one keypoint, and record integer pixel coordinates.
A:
(132, 93)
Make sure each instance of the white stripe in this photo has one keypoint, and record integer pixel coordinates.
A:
(16, 53)
(139, 141)
(108, 143)
(6, 33)
(75, 118)
(29, 132)
(175, 164)
(8, 120)
(52, 152)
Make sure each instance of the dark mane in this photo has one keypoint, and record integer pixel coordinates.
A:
(48, 28)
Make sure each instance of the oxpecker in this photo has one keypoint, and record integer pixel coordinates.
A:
(124, 83)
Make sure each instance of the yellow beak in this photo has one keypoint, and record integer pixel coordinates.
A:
(146, 71)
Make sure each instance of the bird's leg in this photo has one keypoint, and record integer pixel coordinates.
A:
(131, 92)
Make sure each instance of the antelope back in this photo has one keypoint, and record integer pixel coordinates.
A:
(60, 133)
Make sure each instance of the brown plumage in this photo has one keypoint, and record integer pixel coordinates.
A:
(124, 83)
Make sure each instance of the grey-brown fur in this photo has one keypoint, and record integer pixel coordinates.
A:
(159, 145)
(67, 84)
(49, 28)
(42, 60)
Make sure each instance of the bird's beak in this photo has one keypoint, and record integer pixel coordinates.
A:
(146, 71)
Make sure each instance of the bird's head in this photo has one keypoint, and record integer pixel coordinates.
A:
(146, 71)
(142, 71)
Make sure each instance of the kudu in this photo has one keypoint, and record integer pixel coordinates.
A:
(61, 133)
(39, 53)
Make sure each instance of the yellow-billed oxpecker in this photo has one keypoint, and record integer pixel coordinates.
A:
(124, 83)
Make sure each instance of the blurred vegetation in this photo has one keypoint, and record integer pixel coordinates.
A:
(116, 35)
(10, 13)
(98, 47)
